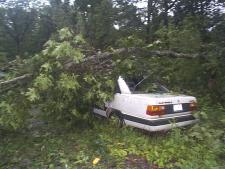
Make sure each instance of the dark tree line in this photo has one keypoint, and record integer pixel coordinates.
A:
(193, 27)
(27, 25)
(61, 58)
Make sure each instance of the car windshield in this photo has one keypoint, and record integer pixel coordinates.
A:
(146, 86)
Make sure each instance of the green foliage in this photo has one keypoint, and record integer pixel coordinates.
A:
(13, 111)
(67, 82)
(130, 41)
(8, 117)
(3, 58)
(16, 24)
(32, 94)
(198, 147)
(185, 38)
(97, 24)
(43, 82)
(61, 94)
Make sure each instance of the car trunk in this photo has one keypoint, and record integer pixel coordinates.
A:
(173, 103)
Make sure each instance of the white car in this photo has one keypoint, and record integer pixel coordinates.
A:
(149, 107)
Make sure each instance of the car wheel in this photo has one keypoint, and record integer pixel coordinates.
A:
(116, 120)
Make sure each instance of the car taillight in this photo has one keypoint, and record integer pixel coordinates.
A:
(193, 106)
(155, 110)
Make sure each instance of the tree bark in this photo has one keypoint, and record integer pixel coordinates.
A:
(101, 61)
(12, 83)
(149, 14)
(165, 13)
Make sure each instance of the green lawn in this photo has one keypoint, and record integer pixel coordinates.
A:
(54, 146)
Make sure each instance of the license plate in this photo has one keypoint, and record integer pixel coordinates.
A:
(177, 107)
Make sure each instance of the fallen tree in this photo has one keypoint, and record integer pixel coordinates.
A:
(15, 82)
(105, 58)
(67, 77)
(101, 61)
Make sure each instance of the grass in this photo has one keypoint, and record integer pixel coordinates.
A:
(54, 146)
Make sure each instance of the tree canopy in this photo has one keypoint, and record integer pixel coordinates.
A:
(63, 56)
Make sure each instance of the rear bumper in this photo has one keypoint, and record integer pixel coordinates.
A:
(160, 124)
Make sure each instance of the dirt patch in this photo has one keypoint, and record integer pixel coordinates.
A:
(138, 162)
(134, 161)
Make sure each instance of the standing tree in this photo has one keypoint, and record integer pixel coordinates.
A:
(17, 25)
(98, 23)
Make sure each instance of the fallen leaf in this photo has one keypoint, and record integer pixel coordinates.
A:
(95, 161)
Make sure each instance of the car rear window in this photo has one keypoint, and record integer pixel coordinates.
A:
(146, 86)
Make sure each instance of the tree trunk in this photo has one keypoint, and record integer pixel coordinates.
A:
(165, 13)
(149, 15)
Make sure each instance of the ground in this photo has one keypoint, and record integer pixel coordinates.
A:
(47, 145)
(100, 145)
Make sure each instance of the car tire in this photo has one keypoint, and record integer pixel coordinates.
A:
(117, 119)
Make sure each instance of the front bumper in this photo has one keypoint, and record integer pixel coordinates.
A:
(160, 124)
